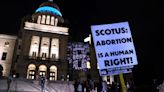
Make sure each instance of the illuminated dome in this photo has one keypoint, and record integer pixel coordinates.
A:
(48, 11)
(49, 7)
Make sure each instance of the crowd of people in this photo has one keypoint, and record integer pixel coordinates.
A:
(86, 86)
(102, 86)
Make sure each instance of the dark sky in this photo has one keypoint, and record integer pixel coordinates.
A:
(144, 16)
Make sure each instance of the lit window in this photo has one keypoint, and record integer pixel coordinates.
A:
(42, 70)
(31, 74)
(6, 44)
(31, 71)
(42, 73)
(4, 55)
(53, 73)
(32, 77)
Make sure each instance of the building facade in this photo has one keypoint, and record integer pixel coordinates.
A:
(42, 44)
(39, 50)
(7, 45)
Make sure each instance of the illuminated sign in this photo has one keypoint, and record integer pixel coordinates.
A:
(114, 45)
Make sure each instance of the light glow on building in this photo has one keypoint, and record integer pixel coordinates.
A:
(34, 48)
(88, 65)
(88, 39)
(49, 9)
(45, 43)
(54, 49)
(46, 28)
(53, 72)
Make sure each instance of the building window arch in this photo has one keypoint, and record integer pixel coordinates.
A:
(31, 71)
(53, 73)
(42, 70)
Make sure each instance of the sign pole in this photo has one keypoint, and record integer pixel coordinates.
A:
(122, 82)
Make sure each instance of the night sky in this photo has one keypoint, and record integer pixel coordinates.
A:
(144, 16)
